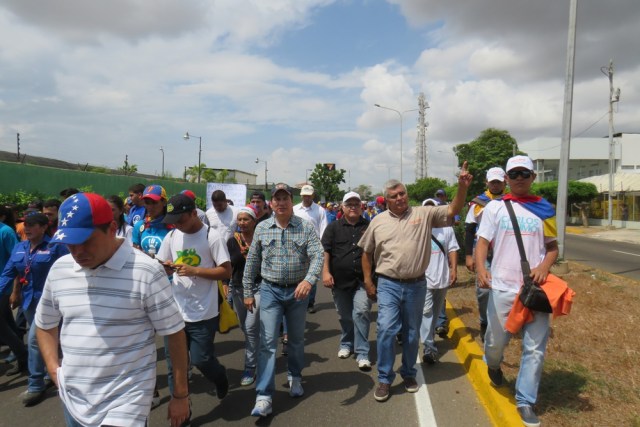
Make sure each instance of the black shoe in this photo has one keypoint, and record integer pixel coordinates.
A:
(430, 358)
(496, 377)
(529, 418)
(19, 368)
(311, 309)
(285, 350)
(32, 398)
(222, 386)
(442, 331)
(399, 338)
(483, 332)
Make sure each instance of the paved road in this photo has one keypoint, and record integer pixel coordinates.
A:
(621, 258)
(336, 392)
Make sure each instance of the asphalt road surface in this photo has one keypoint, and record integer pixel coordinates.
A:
(336, 392)
(614, 257)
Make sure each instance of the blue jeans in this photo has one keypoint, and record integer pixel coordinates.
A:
(250, 325)
(71, 422)
(274, 303)
(200, 336)
(37, 367)
(534, 343)
(399, 310)
(482, 295)
(442, 317)
(434, 302)
(353, 307)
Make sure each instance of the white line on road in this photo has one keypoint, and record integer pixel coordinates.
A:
(626, 253)
(426, 417)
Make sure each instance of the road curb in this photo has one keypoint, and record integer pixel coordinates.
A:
(498, 402)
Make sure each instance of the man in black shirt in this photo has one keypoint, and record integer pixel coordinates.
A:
(342, 273)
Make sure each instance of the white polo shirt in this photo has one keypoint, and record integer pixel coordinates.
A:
(314, 214)
(111, 314)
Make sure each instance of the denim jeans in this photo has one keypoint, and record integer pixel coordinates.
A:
(534, 343)
(434, 301)
(9, 333)
(200, 336)
(399, 310)
(37, 367)
(442, 317)
(71, 422)
(250, 325)
(274, 303)
(482, 295)
(353, 307)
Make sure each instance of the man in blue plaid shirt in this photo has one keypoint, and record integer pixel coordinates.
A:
(287, 252)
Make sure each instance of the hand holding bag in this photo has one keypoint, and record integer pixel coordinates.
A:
(531, 295)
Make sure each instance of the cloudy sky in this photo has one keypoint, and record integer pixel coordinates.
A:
(294, 82)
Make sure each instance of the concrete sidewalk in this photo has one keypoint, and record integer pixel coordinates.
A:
(628, 235)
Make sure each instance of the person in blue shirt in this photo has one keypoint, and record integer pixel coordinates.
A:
(30, 262)
(149, 232)
(138, 208)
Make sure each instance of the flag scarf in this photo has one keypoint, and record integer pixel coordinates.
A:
(481, 201)
(539, 207)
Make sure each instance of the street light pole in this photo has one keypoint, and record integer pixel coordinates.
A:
(400, 113)
(186, 138)
(265, 172)
(614, 96)
(162, 149)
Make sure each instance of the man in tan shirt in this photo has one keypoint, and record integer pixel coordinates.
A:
(397, 243)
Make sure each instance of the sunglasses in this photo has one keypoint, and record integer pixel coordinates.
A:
(523, 173)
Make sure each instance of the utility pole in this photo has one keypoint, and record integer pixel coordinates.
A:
(18, 141)
(613, 97)
(563, 170)
(421, 139)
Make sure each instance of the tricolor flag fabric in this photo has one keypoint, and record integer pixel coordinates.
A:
(79, 215)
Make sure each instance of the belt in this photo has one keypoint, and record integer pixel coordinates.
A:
(412, 280)
(281, 285)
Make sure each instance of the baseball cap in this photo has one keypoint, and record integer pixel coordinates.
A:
(154, 192)
(36, 218)
(307, 190)
(519, 162)
(495, 174)
(440, 192)
(258, 195)
(281, 187)
(177, 205)
(430, 202)
(79, 215)
(380, 200)
(189, 194)
(351, 195)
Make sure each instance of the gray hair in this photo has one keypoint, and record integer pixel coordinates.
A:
(391, 185)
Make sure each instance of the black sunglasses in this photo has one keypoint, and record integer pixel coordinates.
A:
(523, 173)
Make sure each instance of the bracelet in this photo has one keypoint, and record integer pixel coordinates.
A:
(173, 396)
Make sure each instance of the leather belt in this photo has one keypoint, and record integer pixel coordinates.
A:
(280, 285)
(412, 280)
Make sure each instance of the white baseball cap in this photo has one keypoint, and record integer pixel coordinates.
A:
(307, 190)
(351, 195)
(519, 162)
(495, 174)
(431, 202)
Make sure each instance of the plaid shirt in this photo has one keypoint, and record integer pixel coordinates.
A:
(285, 256)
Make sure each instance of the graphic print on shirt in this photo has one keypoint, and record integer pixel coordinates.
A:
(151, 244)
(528, 225)
(188, 257)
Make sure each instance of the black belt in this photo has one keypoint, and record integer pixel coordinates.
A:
(281, 285)
(412, 280)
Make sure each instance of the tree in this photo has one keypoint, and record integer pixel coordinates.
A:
(191, 174)
(493, 147)
(579, 195)
(425, 188)
(126, 168)
(364, 191)
(325, 181)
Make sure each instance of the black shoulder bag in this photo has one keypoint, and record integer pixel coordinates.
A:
(531, 295)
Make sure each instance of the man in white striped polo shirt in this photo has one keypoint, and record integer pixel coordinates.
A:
(113, 300)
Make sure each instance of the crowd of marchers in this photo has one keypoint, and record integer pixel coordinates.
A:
(89, 282)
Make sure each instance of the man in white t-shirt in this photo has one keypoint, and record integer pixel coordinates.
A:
(198, 257)
(440, 274)
(113, 299)
(536, 219)
(316, 216)
(222, 216)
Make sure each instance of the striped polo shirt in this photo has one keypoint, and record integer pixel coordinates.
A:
(111, 314)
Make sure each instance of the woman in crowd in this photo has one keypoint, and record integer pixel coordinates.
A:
(149, 232)
(238, 246)
(117, 207)
(30, 262)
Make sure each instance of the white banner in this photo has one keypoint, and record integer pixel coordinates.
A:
(235, 192)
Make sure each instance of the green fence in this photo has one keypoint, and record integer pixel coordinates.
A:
(50, 181)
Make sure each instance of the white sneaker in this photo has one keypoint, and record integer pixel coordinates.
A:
(344, 353)
(364, 365)
(262, 408)
(295, 388)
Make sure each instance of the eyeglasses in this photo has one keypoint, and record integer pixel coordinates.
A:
(352, 205)
(523, 173)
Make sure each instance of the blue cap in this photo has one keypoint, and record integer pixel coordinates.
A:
(79, 215)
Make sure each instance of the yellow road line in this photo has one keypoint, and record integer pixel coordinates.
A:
(498, 402)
